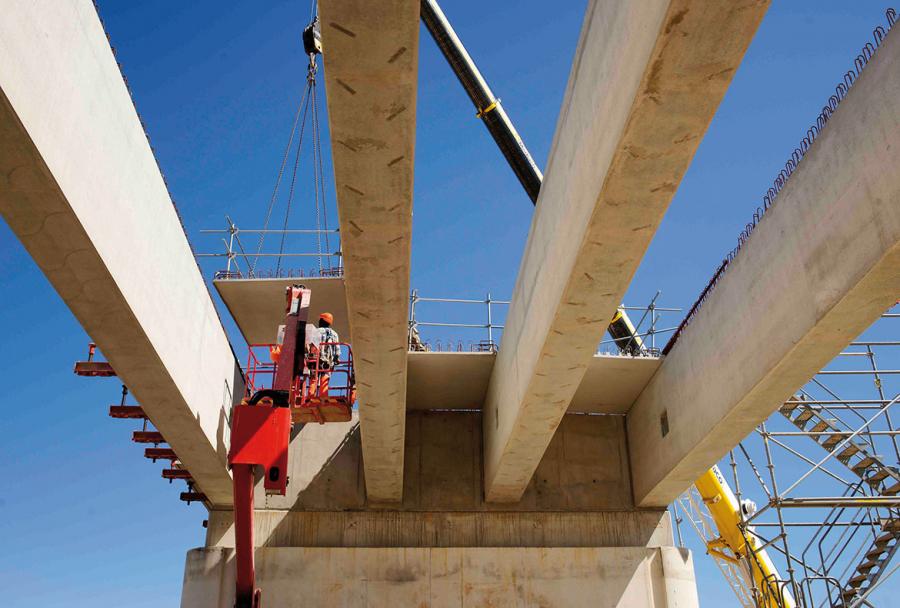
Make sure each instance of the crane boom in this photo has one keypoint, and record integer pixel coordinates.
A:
(489, 108)
(491, 112)
(735, 544)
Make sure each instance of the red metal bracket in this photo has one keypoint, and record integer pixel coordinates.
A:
(154, 437)
(91, 368)
(155, 454)
(127, 411)
(171, 474)
(190, 497)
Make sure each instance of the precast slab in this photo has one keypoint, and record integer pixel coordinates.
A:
(258, 305)
(459, 380)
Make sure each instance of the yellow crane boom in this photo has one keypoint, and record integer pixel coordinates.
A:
(734, 545)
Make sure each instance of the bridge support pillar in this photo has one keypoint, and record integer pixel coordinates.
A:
(575, 539)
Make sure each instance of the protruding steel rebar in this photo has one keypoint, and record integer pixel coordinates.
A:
(840, 92)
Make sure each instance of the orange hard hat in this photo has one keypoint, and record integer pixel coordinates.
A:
(327, 317)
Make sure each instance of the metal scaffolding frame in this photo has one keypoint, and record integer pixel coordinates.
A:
(825, 470)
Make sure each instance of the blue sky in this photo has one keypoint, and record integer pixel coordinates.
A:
(86, 520)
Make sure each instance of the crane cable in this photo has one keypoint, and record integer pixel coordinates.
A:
(319, 177)
(312, 47)
(310, 79)
(287, 151)
(307, 111)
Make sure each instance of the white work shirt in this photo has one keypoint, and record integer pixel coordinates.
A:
(329, 351)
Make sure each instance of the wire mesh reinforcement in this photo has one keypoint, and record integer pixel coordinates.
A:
(768, 199)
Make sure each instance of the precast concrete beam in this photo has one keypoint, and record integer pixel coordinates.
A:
(80, 187)
(371, 60)
(820, 267)
(645, 83)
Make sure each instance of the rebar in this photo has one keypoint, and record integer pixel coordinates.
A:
(768, 199)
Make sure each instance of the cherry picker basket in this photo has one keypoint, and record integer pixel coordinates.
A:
(322, 394)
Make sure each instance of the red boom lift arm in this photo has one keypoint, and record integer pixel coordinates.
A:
(261, 431)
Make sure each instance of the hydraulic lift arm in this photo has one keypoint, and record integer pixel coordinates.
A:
(497, 122)
(261, 425)
(260, 435)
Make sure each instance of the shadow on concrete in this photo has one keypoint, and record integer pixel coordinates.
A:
(580, 495)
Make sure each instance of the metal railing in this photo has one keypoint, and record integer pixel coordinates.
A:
(486, 345)
(243, 265)
(261, 368)
(651, 313)
(647, 328)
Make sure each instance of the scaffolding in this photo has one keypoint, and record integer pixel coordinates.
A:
(825, 470)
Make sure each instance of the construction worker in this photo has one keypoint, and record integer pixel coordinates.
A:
(329, 351)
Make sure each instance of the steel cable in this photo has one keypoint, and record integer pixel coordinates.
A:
(287, 151)
(290, 200)
(320, 167)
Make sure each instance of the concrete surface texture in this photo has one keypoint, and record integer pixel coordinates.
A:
(646, 80)
(821, 266)
(585, 468)
(80, 187)
(574, 539)
(645, 528)
(609, 386)
(258, 305)
(627, 577)
(371, 63)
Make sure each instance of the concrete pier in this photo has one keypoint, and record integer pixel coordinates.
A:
(575, 539)
(615, 577)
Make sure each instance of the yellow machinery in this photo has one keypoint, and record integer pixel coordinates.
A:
(624, 334)
(737, 548)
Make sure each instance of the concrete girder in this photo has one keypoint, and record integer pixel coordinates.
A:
(80, 187)
(645, 83)
(820, 267)
(371, 71)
